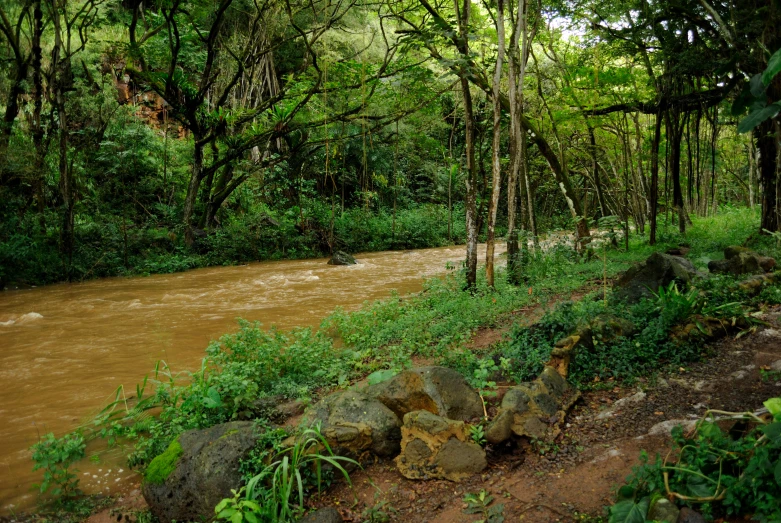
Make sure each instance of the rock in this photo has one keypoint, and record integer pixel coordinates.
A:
(197, 471)
(564, 351)
(276, 408)
(664, 428)
(354, 423)
(530, 408)
(657, 271)
(341, 258)
(739, 260)
(323, 515)
(688, 515)
(433, 447)
(588, 336)
(754, 285)
(637, 397)
(663, 512)
(776, 366)
(439, 390)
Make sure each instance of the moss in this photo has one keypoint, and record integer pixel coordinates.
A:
(228, 434)
(162, 466)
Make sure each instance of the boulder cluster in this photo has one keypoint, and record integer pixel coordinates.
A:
(420, 417)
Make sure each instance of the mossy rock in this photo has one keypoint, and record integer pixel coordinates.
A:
(162, 466)
(739, 260)
(657, 271)
(197, 471)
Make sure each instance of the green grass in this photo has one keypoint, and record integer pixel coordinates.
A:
(435, 324)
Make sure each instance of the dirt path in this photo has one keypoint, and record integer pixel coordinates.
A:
(602, 440)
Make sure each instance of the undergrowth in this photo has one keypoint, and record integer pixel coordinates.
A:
(385, 336)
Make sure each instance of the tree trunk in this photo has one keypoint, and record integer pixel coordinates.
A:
(767, 146)
(62, 82)
(196, 175)
(675, 130)
(37, 132)
(496, 166)
(655, 176)
(462, 16)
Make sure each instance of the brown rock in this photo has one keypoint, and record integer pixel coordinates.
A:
(433, 447)
(438, 390)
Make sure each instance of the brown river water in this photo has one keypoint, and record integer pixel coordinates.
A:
(66, 348)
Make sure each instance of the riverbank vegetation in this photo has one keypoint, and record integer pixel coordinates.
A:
(246, 371)
(140, 137)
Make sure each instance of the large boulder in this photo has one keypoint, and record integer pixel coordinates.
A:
(439, 390)
(740, 260)
(197, 471)
(530, 409)
(433, 447)
(657, 271)
(354, 424)
(342, 258)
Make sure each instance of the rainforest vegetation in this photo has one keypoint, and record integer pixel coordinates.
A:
(143, 136)
(151, 136)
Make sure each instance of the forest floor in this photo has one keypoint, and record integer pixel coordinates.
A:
(574, 477)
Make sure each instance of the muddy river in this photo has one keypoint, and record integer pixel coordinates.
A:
(65, 348)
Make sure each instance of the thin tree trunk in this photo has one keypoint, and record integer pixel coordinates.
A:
(496, 166)
(463, 15)
(192, 190)
(655, 176)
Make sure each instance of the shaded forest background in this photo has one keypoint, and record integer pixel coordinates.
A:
(155, 136)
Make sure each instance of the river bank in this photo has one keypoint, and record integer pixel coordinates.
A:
(431, 324)
(68, 347)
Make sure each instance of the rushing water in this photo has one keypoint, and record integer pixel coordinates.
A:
(65, 348)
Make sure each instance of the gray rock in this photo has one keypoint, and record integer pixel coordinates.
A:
(664, 428)
(323, 515)
(657, 271)
(355, 423)
(688, 515)
(663, 512)
(276, 408)
(188, 487)
(739, 260)
(439, 390)
(342, 258)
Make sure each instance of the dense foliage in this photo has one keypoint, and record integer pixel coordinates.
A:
(142, 137)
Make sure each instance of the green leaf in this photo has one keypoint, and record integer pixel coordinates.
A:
(626, 492)
(252, 518)
(221, 505)
(698, 486)
(628, 511)
(773, 406)
(772, 431)
(237, 517)
(757, 117)
(777, 472)
(709, 430)
(757, 87)
(380, 376)
(773, 68)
